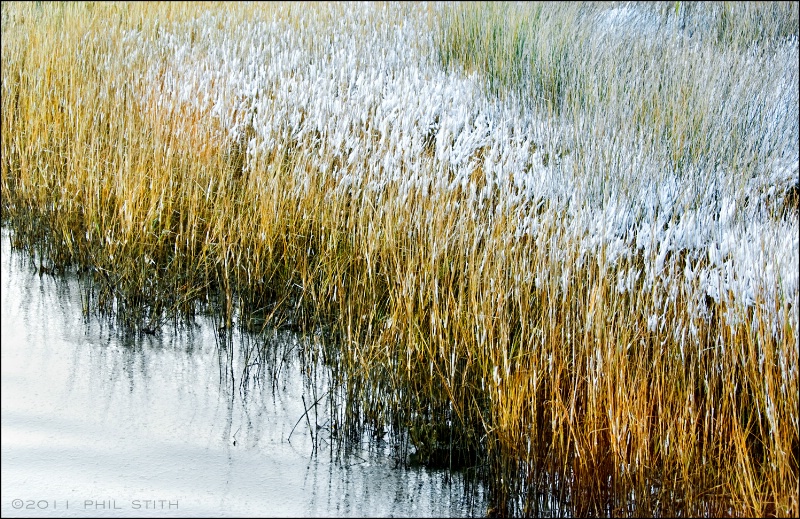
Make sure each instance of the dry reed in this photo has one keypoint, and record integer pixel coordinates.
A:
(582, 277)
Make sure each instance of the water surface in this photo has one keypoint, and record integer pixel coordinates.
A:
(94, 423)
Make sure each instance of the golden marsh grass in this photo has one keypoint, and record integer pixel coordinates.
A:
(537, 242)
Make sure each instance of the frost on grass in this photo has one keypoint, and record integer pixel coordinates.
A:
(366, 104)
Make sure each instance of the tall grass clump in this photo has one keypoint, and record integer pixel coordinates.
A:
(555, 244)
(684, 116)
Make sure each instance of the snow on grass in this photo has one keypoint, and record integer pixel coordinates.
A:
(370, 95)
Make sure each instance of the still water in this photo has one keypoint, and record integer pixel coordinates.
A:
(97, 424)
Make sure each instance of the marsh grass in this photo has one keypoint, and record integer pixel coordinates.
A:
(237, 160)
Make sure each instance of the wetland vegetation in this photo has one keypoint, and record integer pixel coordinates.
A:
(552, 244)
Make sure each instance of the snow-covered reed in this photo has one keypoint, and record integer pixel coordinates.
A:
(557, 234)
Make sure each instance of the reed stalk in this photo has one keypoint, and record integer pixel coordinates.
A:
(553, 244)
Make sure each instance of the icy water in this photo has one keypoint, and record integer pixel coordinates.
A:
(96, 424)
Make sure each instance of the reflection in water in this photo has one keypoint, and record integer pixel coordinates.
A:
(95, 421)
